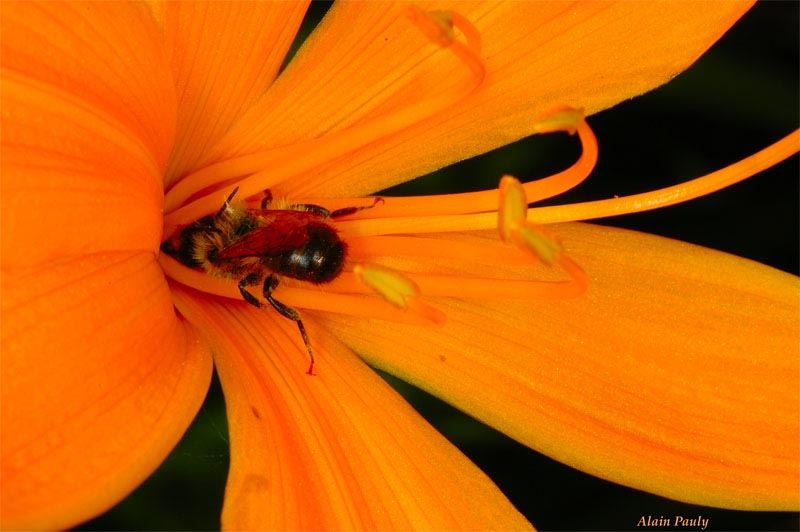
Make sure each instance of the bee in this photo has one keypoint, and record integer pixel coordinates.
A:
(259, 246)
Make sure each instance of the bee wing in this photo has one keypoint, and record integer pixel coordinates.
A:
(284, 233)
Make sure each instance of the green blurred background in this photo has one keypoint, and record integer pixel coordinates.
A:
(738, 98)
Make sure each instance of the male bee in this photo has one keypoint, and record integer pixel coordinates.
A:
(259, 246)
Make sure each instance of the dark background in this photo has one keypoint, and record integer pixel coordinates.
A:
(738, 98)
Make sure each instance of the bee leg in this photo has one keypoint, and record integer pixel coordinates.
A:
(246, 281)
(346, 211)
(267, 199)
(270, 284)
(320, 211)
(227, 204)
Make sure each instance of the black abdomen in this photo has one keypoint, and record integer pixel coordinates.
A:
(319, 261)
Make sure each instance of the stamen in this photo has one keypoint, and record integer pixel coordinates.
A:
(438, 27)
(393, 287)
(564, 119)
(513, 226)
(418, 224)
(532, 238)
(701, 186)
(487, 252)
(513, 209)
(459, 286)
(695, 188)
(398, 290)
(279, 164)
(484, 288)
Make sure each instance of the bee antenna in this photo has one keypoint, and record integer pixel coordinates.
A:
(227, 203)
(232, 194)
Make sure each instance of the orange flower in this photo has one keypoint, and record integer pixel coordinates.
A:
(107, 346)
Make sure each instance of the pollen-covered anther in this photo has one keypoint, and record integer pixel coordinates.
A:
(532, 238)
(513, 208)
(559, 119)
(398, 290)
(514, 227)
(439, 26)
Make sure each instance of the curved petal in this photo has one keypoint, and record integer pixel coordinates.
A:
(99, 381)
(73, 179)
(107, 55)
(538, 55)
(224, 56)
(677, 372)
(335, 451)
(86, 130)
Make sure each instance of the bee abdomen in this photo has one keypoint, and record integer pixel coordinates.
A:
(319, 261)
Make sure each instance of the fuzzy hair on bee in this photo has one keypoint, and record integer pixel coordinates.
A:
(290, 240)
(230, 225)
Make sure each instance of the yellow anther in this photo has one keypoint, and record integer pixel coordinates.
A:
(513, 225)
(398, 290)
(513, 210)
(529, 237)
(439, 26)
(436, 25)
(561, 119)
(392, 286)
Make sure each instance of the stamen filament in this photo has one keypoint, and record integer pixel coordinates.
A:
(418, 224)
(487, 200)
(695, 188)
(459, 286)
(692, 189)
(483, 288)
(288, 161)
(279, 164)
(363, 248)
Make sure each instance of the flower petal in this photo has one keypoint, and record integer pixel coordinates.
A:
(73, 179)
(334, 451)
(538, 55)
(86, 130)
(99, 381)
(108, 55)
(677, 372)
(224, 55)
